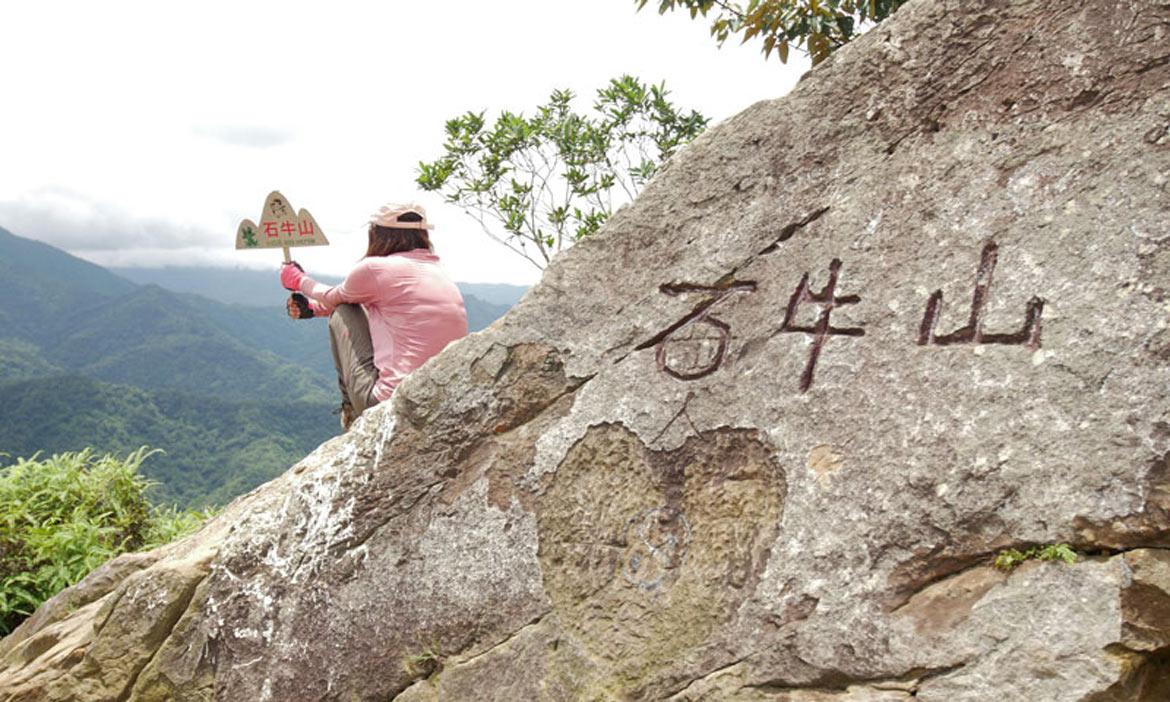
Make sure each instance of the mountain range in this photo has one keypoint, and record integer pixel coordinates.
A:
(232, 393)
(485, 302)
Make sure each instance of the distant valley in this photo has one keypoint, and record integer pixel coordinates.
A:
(233, 393)
(485, 302)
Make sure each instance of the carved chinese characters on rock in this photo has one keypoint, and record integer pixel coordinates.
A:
(1028, 335)
(821, 329)
(697, 345)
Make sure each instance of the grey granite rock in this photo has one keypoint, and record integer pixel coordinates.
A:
(759, 439)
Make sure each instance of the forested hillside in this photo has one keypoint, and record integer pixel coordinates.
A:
(233, 394)
(156, 339)
(41, 283)
(215, 447)
(76, 317)
(21, 359)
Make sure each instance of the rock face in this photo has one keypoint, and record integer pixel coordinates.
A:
(759, 440)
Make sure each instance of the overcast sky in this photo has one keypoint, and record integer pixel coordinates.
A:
(141, 133)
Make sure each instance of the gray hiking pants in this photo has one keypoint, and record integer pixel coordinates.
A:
(353, 356)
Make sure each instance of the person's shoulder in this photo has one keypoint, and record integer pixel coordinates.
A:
(406, 258)
(398, 262)
(364, 267)
(379, 262)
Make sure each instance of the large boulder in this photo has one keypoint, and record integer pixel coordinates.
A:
(761, 438)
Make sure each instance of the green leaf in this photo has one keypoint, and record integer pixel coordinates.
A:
(521, 177)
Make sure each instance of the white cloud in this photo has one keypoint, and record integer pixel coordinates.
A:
(71, 221)
(146, 257)
(148, 129)
(252, 136)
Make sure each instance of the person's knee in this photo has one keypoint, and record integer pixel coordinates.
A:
(344, 316)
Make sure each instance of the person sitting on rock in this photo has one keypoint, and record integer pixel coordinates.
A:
(395, 309)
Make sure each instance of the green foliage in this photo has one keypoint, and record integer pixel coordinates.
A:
(171, 523)
(552, 178)
(425, 663)
(1009, 559)
(62, 517)
(816, 26)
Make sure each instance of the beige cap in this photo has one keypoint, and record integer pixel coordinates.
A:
(387, 216)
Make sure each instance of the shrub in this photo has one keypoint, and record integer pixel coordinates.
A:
(63, 516)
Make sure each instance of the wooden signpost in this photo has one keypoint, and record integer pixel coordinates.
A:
(280, 226)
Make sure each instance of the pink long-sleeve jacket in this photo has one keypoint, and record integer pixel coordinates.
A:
(414, 308)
